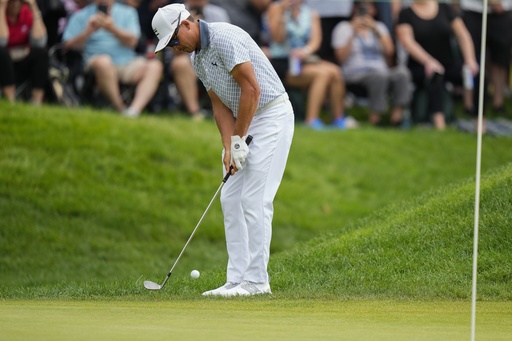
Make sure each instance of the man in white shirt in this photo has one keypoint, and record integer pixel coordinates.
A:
(248, 98)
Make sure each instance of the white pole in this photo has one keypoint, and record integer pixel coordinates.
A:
(478, 165)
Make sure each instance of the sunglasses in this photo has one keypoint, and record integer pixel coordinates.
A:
(174, 39)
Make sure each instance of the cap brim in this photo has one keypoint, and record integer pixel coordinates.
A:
(162, 43)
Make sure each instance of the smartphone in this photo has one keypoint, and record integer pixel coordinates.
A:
(362, 10)
(103, 8)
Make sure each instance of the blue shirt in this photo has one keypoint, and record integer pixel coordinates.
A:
(102, 41)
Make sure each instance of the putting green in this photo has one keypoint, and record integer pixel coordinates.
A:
(258, 318)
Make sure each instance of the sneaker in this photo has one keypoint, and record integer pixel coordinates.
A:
(220, 290)
(317, 124)
(131, 113)
(339, 123)
(199, 115)
(351, 123)
(247, 288)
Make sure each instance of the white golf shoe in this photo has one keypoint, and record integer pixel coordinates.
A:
(220, 290)
(247, 288)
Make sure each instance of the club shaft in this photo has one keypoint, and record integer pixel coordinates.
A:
(194, 231)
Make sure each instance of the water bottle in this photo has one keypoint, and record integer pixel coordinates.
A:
(467, 78)
(294, 66)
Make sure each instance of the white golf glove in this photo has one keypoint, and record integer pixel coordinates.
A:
(239, 151)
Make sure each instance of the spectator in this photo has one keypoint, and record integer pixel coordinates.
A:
(70, 7)
(365, 50)
(23, 52)
(180, 66)
(295, 31)
(246, 14)
(52, 11)
(331, 12)
(499, 43)
(425, 30)
(108, 33)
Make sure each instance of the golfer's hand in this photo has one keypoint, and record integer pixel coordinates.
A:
(239, 151)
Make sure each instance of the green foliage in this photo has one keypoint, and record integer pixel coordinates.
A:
(91, 204)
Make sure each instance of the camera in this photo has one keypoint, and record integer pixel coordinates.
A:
(362, 10)
(103, 8)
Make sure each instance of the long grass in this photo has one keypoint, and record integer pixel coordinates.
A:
(91, 204)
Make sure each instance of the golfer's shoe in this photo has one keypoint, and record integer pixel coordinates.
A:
(220, 290)
(247, 288)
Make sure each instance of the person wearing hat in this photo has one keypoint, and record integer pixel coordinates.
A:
(247, 98)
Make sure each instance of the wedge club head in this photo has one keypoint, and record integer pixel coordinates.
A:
(152, 285)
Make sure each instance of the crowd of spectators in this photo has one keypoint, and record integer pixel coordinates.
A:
(388, 52)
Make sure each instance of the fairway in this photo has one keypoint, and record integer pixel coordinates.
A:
(253, 319)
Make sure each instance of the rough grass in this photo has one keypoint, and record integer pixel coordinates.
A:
(91, 204)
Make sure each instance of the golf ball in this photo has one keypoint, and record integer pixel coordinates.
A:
(194, 274)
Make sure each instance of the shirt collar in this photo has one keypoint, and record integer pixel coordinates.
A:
(204, 34)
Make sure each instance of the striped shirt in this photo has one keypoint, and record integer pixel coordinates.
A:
(224, 46)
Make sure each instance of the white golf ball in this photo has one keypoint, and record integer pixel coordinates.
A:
(194, 274)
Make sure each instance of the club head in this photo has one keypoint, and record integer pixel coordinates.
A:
(152, 285)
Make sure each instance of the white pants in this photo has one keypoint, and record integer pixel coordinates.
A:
(247, 197)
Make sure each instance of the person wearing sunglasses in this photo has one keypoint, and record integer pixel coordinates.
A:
(248, 98)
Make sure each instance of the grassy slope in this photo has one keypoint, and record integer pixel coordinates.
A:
(88, 196)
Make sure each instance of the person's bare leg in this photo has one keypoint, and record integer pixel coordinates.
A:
(337, 92)
(9, 93)
(439, 121)
(498, 79)
(316, 94)
(467, 97)
(186, 82)
(397, 114)
(147, 79)
(374, 118)
(107, 80)
(37, 96)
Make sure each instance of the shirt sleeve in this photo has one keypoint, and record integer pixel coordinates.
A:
(341, 35)
(448, 11)
(129, 21)
(233, 50)
(382, 28)
(404, 17)
(74, 27)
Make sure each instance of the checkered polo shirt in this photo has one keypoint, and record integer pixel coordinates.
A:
(223, 46)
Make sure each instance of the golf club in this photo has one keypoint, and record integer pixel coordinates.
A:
(155, 286)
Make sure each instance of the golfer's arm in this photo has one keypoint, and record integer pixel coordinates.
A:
(223, 118)
(245, 77)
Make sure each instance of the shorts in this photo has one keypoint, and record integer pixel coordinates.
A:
(125, 72)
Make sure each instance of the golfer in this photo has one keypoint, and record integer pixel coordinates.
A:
(248, 98)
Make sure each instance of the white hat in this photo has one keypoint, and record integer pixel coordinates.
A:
(165, 22)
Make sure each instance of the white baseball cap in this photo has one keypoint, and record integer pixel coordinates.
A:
(165, 21)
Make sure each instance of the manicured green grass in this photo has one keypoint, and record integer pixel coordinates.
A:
(252, 319)
(92, 204)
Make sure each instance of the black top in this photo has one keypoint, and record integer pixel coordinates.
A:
(434, 35)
